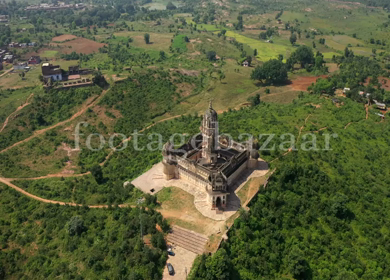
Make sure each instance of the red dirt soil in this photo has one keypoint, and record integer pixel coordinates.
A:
(63, 38)
(79, 45)
(385, 82)
(302, 83)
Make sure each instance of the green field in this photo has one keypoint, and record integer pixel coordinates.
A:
(266, 51)
(179, 42)
(49, 54)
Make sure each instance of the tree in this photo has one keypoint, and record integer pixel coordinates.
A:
(297, 265)
(323, 86)
(76, 226)
(273, 71)
(263, 35)
(255, 52)
(319, 62)
(22, 74)
(147, 38)
(293, 39)
(303, 55)
(339, 206)
(98, 79)
(211, 55)
(254, 100)
(97, 173)
(221, 76)
(171, 6)
(162, 55)
(158, 241)
(218, 266)
(240, 24)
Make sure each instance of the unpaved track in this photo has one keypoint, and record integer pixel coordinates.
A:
(6, 72)
(49, 201)
(18, 109)
(39, 132)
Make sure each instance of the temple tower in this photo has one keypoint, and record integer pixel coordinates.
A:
(210, 134)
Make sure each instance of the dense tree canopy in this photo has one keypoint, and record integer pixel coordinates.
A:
(273, 71)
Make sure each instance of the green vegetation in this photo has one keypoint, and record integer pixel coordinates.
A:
(316, 205)
(45, 110)
(180, 42)
(50, 241)
(324, 214)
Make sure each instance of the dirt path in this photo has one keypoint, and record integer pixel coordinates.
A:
(366, 111)
(18, 109)
(6, 72)
(77, 114)
(299, 135)
(49, 201)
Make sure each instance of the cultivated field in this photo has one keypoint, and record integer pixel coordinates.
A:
(78, 45)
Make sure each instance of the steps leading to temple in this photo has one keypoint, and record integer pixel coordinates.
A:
(187, 239)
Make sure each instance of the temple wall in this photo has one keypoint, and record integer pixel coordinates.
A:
(237, 173)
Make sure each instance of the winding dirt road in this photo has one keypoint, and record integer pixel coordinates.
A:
(17, 109)
(77, 114)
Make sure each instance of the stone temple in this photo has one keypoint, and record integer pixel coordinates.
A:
(209, 161)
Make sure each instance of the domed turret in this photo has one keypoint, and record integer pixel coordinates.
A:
(211, 114)
(167, 149)
(255, 154)
(210, 133)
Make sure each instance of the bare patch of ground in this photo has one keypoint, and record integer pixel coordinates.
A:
(385, 82)
(79, 45)
(186, 72)
(302, 83)
(185, 89)
(63, 38)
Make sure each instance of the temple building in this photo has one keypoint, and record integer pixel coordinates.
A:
(209, 162)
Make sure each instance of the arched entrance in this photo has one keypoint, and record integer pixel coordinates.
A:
(218, 202)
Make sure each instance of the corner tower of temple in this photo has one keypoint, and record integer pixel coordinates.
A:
(210, 134)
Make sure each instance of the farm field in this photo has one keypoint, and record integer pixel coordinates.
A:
(78, 45)
(158, 41)
(266, 51)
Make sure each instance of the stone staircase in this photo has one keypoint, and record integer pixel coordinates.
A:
(187, 239)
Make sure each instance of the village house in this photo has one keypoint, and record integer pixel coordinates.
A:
(245, 63)
(20, 66)
(3, 18)
(9, 58)
(379, 105)
(34, 60)
(50, 71)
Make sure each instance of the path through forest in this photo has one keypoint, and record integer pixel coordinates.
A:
(77, 114)
(17, 109)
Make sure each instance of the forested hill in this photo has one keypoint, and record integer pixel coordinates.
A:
(324, 215)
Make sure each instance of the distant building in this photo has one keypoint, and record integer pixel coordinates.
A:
(335, 100)
(209, 162)
(74, 70)
(34, 60)
(9, 58)
(346, 89)
(379, 105)
(245, 63)
(50, 71)
(3, 18)
(20, 66)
